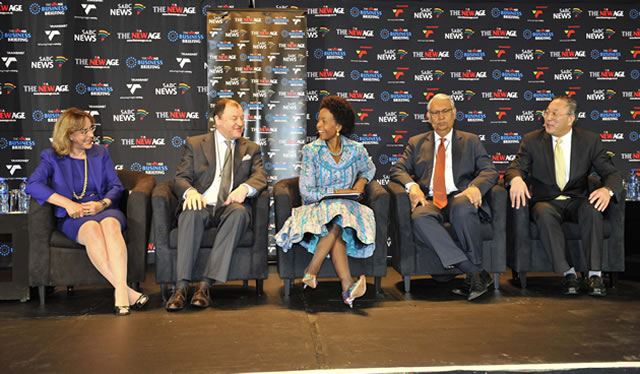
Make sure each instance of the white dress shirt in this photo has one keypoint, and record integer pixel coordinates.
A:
(211, 193)
(448, 168)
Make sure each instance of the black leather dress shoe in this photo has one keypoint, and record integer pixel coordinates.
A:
(480, 283)
(597, 287)
(178, 300)
(201, 297)
(571, 285)
(464, 290)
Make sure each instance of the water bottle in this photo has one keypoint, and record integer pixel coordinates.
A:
(632, 186)
(24, 196)
(4, 196)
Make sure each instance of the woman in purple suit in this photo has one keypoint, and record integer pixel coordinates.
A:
(78, 177)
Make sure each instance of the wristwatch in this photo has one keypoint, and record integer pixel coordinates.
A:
(104, 204)
(610, 192)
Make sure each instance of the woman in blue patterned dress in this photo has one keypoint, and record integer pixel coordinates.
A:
(333, 227)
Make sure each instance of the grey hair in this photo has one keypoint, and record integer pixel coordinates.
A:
(572, 105)
(441, 96)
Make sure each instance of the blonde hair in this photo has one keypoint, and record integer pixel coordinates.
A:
(69, 121)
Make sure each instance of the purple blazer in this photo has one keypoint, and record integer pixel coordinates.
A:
(53, 174)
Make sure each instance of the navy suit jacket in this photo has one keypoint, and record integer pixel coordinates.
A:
(470, 162)
(53, 174)
(534, 163)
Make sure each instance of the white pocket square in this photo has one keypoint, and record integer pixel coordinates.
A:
(246, 158)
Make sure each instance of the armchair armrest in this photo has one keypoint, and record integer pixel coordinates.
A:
(41, 222)
(497, 199)
(138, 211)
(402, 245)
(286, 195)
(164, 204)
(377, 198)
(518, 235)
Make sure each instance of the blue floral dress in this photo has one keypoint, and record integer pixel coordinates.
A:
(321, 175)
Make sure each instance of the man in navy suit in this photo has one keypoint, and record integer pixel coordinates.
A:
(555, 162)
(218, 172)
(446, 173)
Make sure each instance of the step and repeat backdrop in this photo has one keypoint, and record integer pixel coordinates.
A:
(141, 69)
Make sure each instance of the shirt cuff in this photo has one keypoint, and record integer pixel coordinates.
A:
(407, 186)
(252, 191)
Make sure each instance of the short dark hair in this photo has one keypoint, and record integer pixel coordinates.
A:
(221, 104)
(342, 112)
(571, 103)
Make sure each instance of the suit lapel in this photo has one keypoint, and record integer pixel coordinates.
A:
(94, 166)
(547, 153)
(238, 153)
(67, 175)
(456, 154)
(428, 149)
(209, 150)
(573, 163)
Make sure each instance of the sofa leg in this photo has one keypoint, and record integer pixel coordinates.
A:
(41, 292)
(613, 279)
(287, 287)
(164, 289)
(245, 284)
(378, 283)
(407, 284)
(496, 281)
(259, 286)
(523, 280)
(70, 290)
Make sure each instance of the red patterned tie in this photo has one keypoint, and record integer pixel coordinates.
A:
(439, 186)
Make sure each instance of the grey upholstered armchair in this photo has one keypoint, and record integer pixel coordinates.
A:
(249, 260)
(291, 264)
(55, 260)
(409, 259)
(525, 252)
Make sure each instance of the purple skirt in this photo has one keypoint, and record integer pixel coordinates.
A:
(70, 226)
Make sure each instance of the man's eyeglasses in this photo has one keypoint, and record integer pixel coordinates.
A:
(548, 113)
(439, 112)
(88, 129)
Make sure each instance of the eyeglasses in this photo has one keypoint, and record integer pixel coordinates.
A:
(548, 113)
(87, 130)
(443, 111)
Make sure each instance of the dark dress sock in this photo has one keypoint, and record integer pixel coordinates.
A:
(468, 267)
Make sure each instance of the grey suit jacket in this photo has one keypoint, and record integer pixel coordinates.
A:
(535, 164)
(197, 167)
(470, 162)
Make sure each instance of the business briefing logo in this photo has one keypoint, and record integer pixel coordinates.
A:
(18, 143)
(605, 115)
(148, 63)
(151, 168)
(538, 34)
(471, 116)
(50, 115)
(94, 89)
(469, 54)
(506, 13)
(15, 36)
(366, 76)
(330, 54)
(48, 9)
(507, 75)
(187, 37)
(506, 138)
(538, 95)
(606, 54)
(365, 13)
(396, 96)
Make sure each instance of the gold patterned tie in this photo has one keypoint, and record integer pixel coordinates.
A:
(225, 181)
(561, 176)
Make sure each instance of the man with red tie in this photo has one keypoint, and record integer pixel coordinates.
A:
(446, 173)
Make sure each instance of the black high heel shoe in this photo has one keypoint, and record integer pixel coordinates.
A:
(141, 302)
(122, 310)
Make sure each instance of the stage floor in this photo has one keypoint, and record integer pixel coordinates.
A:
(313, 329)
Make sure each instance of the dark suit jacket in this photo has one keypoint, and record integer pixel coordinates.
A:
(198, 165)
(471, 163)
(535, 164)
(53, 174)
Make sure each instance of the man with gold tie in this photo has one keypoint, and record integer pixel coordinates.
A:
(446, 173)
(218, 172)
(551, 169)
